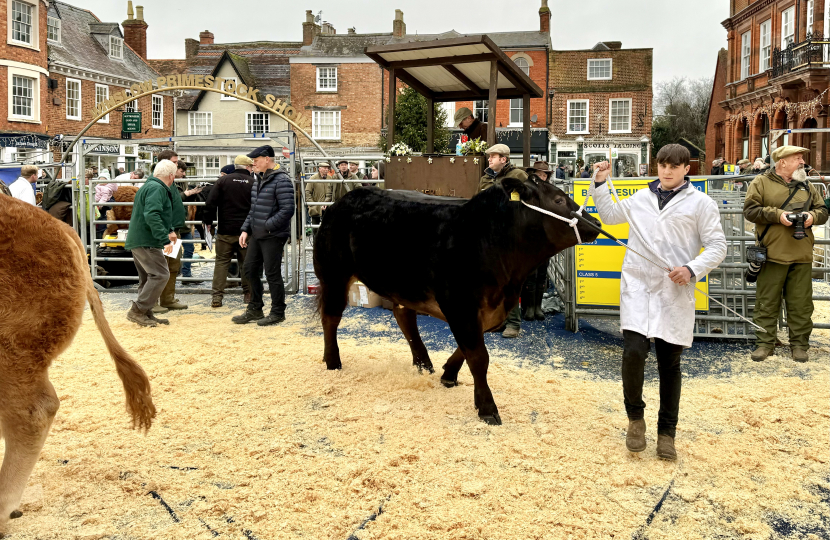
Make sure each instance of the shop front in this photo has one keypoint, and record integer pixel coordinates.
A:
(629, 158)
(24, 148)
(130, 157)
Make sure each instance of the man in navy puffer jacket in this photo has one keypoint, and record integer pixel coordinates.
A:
(264, 233)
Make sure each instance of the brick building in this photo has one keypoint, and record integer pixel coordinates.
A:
(262, 65)
(90, 61)
(775, 76)
(601, 99)
(715, 143)
(24, 75)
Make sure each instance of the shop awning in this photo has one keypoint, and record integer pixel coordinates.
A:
(455, 69)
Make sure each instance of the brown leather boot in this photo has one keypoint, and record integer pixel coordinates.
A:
(510, 332)
(760, 354)
(136, 316)
(800, 355)
(635, 437)
(665, 447)
(152, 317)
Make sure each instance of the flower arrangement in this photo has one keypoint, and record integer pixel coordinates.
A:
(400, 149)
(474, 147)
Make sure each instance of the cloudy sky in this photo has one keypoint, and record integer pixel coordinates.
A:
(685, 35)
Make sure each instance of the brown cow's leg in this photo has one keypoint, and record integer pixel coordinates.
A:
(26, 414)
(470, 338)
(451, 369)
(408, 322)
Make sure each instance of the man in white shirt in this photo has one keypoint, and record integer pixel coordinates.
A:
(135, 175)
(22, 187)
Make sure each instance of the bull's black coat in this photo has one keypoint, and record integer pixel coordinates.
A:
(461, 261)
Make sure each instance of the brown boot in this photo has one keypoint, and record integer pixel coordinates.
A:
(510, 332)
(665, 447)
(135, 315)
(175, 305)
(635, 437)
(800, 355)
(152, 317)
(216, 302)
(761, 353)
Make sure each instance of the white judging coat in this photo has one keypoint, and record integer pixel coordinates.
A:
(650, 303)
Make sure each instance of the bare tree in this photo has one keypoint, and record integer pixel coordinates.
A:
(681, 106)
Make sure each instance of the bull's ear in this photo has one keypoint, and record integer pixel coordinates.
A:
(520, 187)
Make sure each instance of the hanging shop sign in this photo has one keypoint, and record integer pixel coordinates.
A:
(131, 122)
(606, 145)
(102, 149)
(598, 265)
(24, 141)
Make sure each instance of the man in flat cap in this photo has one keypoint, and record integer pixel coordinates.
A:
(265, 232)
(498, 157)
(772, 199)
(354, 167)
(231, 196)
(337, 189)
(472, 126)
(316, 192)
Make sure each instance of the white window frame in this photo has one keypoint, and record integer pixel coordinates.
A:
(105, 119)
(810, 18)
(485, 109)
(315, 125)
(223, 97)
(208, 122)
(765, 45)
(519, 108)
(610, 69)
(120, 43)
(80, 101)
(34, 26)
(130, 106)
(329, 78)
(746, 54)
(526, 68)
(160, 101)
(611, 117)
(34, 97)
(587, 116)
(266, 123)
(53, 22)
(787, 27)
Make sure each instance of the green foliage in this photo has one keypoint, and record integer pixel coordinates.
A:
(411, 124)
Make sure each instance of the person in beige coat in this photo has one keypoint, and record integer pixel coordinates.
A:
(316, 192)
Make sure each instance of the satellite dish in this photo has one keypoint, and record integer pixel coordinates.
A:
(534, 118)
(318, 18)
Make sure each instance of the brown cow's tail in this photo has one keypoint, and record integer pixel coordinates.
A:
(135, 381)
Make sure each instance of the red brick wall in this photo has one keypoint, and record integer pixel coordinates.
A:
(359, 90)
(599, 104)
(631, 70)
(716, 140)
(538, 73)
(58, 123)
(26, 56)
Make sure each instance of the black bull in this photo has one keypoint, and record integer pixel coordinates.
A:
(462, 261)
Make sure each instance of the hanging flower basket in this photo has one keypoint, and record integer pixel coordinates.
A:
(475, 147)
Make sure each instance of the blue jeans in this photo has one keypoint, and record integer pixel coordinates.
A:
(187, 253)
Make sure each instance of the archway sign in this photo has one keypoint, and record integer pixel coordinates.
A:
(228, 87)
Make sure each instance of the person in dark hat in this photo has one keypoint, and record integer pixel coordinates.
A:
(227, 169)
(541, 169)
(338, 188)
(536, 283)
(315, 192)
(472, 126)
(265, 232)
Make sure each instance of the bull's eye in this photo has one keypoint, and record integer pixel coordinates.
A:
(559, 200)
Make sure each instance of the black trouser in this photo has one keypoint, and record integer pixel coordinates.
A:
(265, 253)
(635, 351)
(226, 247)
(535, 287)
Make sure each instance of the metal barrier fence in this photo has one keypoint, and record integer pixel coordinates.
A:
(726, 282)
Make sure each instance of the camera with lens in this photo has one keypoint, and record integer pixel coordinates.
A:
(798, 222)
(756, 256)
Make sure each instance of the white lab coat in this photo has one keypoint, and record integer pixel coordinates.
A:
(650, 303)
(22, 189)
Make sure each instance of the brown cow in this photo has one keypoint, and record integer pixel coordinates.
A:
(121, 213)
(44, 284)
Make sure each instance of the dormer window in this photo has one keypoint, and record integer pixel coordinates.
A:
(116, 47)
(53, 29)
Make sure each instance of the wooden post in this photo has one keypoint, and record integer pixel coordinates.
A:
(491, 104)
(526, 129)
(430, 125)
(390, 121)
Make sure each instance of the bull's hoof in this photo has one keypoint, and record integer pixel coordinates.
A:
(448, 383)
(491, 419)
(334, 366)
(16, 514)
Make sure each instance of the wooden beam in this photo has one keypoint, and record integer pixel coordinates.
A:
(526, 130)
(414, 83)
(442, 60)
(390, 122)
(466, 95)
(430, 125)
(455, 72)
(510, 76)
(423, 45)
(491, 105)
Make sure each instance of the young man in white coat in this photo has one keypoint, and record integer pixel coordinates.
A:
(675, 221)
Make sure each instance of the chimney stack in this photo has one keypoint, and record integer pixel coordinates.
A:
(398, 26)
(352, 30)
(310, 29)
(206, 38)
(544, 17)
(135, 30)
(191, 47)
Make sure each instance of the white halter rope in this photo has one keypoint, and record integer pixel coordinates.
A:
(633, 226)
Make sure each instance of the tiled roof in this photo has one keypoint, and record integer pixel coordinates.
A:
(82, 45)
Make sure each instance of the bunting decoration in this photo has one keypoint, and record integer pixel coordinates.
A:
(804, 109)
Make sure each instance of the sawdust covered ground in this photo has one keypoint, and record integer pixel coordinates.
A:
(255, 439)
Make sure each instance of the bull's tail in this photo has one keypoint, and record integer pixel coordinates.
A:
(136, 384)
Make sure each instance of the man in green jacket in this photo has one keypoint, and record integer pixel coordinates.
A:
(316, 192)
(789, 260)
(337, 189)
(498, 157)
(150, 236)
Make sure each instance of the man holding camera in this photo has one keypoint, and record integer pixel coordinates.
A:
(784, 207)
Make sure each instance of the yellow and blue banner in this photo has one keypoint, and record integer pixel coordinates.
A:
(598, 265)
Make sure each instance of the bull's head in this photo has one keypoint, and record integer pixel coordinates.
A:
(537, 192)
